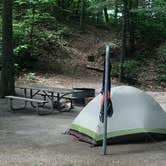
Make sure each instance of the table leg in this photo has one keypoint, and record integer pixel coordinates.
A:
(58, 97)
(25, 92)
(31, 93)
(52, 101)
(31, 96)
(58, 102)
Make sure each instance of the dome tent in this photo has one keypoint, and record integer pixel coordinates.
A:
(137, 116)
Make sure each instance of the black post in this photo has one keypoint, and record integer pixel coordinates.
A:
(106, 90)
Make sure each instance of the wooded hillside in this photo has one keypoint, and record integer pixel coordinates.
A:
(68, 36)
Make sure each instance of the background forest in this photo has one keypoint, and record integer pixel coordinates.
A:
(66, 36)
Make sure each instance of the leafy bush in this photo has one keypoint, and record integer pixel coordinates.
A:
(161, 54)
(23, 57)
(17, 69)
(130, 71)
(140, 55)
(151, 24)
(0, 42)
(115, 69)
(161, 63)
(162, 78)
(19, 34)
(0, 63)
(31, 75)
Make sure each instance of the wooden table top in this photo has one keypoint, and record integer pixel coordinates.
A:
(46, 88)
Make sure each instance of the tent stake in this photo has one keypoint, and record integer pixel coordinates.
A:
(107, 75)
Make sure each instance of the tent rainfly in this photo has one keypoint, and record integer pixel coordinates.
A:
(137, 117)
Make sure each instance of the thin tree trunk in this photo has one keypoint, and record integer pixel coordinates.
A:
(32, 23)
(116, 11)
(82, 14)
(98, 17)
(7, 75)
(132, 26)
(131, 29)
(32, 29)
(124, 39)
(77, 9)
(106, 16)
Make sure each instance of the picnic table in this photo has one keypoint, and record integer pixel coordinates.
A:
(52, 95)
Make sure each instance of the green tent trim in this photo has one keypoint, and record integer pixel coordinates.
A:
(112, 134)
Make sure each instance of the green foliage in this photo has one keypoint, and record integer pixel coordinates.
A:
(17, 69)
(62, 31)
(98, 6)
(161, 54)
(23, 57)
(161, 63)
(35, 21)
(162, 78)
(130, 71)
(115, 69)
(0, 41)
(162, 68)
(140, 55)
(29, 27)
(31, 76)
(19, 29)
(151, 23)
(0, 61)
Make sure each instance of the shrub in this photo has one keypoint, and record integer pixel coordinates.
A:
(115, 69)
(151, 24)
(23, 57)
(161, 63)
(31, 76)
(130, 71)
(162, 78)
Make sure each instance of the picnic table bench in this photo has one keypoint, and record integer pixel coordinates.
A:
(52, 95)
(25, 99)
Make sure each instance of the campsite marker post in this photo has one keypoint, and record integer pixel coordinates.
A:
(106, 90)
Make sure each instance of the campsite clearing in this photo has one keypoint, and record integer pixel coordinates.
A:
(29, 139)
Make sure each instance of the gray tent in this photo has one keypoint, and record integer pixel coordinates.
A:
(137, 116)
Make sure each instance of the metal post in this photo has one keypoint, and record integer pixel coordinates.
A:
(107, 66)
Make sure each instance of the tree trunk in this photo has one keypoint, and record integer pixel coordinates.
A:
(82, 14)
(7, 75)
(77, 9)
(31, 35)
(116, 11)
(106, 16)
(132, 26)
(32, 23)
(124, 38)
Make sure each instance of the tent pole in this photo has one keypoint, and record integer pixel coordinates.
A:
(107, 75)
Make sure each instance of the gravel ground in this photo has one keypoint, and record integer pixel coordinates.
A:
(28, 139)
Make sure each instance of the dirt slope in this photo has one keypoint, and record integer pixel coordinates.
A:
(70, 54)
